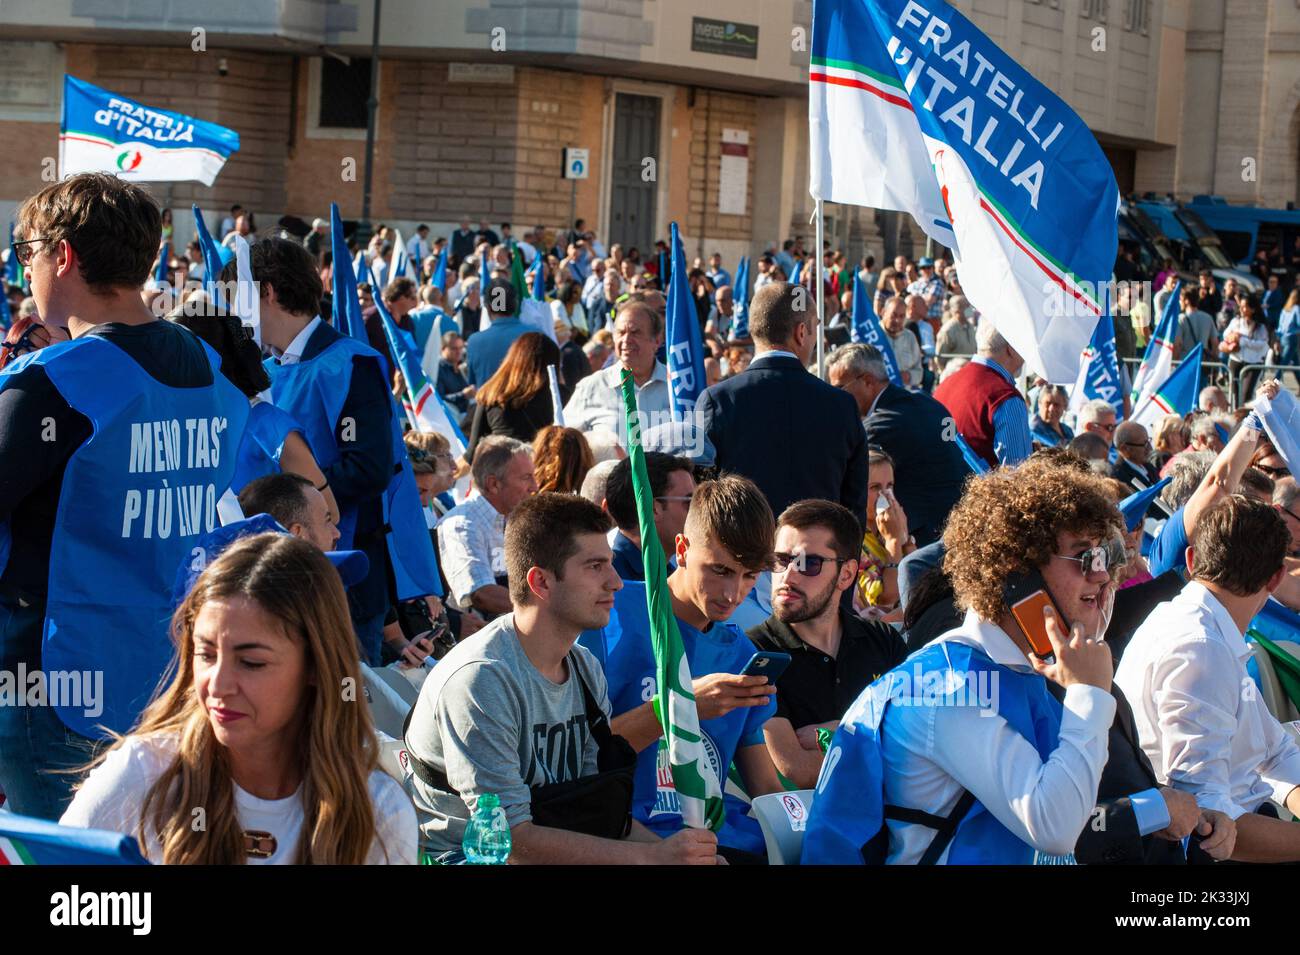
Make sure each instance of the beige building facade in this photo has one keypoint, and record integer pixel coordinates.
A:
(690, 114)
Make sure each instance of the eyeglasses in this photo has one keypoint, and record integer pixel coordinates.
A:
(1104, 558)
(24, 343)
(810, 565)
(678, 497)
(1288, 511)
(1136, 444)
(1274, 473)
(24, 253)
(1107, 427)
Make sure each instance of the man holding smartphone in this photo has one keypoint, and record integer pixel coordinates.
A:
(962, 755)
(725, 544)
(835, 654)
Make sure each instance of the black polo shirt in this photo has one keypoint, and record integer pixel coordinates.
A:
(817, 688)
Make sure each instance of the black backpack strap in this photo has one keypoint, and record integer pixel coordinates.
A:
(597, 722)
(945, 826)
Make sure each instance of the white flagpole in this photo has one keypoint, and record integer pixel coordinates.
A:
(821, 291)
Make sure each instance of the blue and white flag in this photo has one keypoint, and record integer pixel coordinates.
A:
(912, 108)
(685, 347)
(400, 259)
(160, 269)
(13, 271)
(973, 461)
(740, 300)
(345, 305)
(539, 281)
(439, 278)
(424, 407)
(1158, 359)
(1099, 368)
(1134, 507)
(867, 330)
(213, 262)
(104, 132)
(1281, 417)
(1177, 394)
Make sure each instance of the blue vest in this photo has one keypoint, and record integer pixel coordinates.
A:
(849, 811)
(313, 392)
(259, 452)
(135, 498)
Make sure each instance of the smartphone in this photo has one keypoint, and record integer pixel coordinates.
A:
(767, 663)
(1027, 596)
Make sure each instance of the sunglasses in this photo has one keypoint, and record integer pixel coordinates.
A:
(24, 252)
(1274, 473)
(809, 565)
(26, 342)
(1104, 558)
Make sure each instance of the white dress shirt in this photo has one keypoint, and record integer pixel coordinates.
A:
(1200, 718)
(597, 403)
(937, 751)
(472, 545)
(293, 354)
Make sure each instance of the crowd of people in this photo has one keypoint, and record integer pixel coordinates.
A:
(280, 578)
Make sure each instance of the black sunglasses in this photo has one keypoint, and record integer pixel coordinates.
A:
(25, 254)
(1274, 473)
(810, 565)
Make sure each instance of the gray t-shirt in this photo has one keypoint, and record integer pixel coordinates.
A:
(488, 719)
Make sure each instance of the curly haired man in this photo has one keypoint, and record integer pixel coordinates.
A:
(962, 755)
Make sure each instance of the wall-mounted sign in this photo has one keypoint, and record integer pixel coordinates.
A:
(499, 73)
(576, 163)
(725, 37)
(733, 173)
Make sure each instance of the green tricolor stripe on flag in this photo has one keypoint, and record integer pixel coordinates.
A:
(14, 853)
(698, 791)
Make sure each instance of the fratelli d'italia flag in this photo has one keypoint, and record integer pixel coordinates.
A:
(912, 108)
(104, 132)
(698, 788)
(1176, 394)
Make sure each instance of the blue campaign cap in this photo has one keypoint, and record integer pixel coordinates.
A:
(352, 565)
(1134, 507)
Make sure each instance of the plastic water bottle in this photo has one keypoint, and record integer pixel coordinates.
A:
(487, 834)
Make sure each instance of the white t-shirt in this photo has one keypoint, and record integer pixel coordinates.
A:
(115, 790)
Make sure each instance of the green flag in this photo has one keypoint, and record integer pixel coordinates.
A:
(517, 277)
(699, 792)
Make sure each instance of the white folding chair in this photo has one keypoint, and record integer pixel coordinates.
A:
(783, 817)
(388, 708)
(392, 758)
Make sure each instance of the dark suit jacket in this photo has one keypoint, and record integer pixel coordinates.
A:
(361, 475)
(928, 471)
(1126, 471)
(1113, 838)
(790, 433)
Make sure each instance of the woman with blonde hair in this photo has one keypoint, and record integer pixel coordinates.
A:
(1170, 440)
(561, 459)
(435, 469)
(262, 729)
